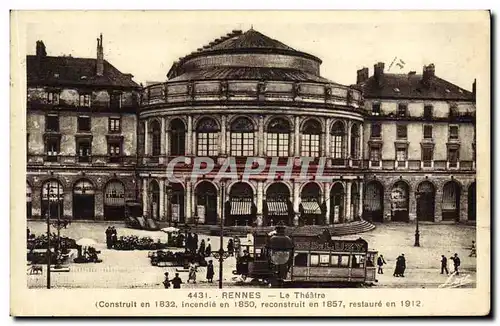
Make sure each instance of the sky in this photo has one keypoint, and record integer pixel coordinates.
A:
(145, 44)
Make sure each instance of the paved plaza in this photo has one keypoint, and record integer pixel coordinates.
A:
(132, 269)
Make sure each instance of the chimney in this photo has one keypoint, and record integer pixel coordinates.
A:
(40, 49)
(428, 73)
(362, 75)
(474, 88)
(100, 57)
(378, 72)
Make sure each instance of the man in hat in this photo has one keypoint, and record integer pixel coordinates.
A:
(176, 281)
(166, 282)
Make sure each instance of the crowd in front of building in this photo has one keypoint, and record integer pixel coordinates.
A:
(397, 147)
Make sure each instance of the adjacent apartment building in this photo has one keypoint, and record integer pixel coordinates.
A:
(81, 136)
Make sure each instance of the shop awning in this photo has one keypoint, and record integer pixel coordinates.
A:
(311, 207)
(277, 208)
(241, 207)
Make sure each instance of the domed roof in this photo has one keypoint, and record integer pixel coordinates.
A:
(247, 55)
(251, 39)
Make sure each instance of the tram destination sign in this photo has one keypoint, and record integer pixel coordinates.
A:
(359, 245)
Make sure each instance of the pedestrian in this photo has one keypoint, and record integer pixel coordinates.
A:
(444, 265)
(380, 264)
(189, 242)
(473, 250)
(176, 281)
(201, 251)
(192, 272)
(456, 263)
(208, 250)
(195, 243)
(108, 237)
(397, 269)
(114, 237)
(230, 247)
(403, 265)
(210, 272)
(166, 282)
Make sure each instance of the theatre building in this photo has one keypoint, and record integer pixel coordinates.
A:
(248, 95)
(81, 136)
(420, 148)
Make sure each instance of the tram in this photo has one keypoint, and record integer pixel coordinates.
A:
(317, 259)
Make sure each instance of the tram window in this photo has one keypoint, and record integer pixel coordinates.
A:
(358, 261)
(314, 260)
(342, 261)
(324, 260)
(301, 259)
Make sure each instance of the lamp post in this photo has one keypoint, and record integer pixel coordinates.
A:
(417, 232)
(220, 254)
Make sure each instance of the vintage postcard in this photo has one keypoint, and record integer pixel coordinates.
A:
(250, 163)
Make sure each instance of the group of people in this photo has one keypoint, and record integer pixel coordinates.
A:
(111, 237)
(192, 270)
(444, 264)
(400, 268)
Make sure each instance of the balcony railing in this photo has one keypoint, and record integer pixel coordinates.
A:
(93, 160)
(250, 90)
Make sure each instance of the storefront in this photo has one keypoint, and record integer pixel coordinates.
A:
(451, 201)
(337, 196)
(52, 199)
(206, 203)
(154, 199)
(114, 201)
(374, 202)
(240, 207)
(83, 200)
(277, 206)
(400, 202)
(29, 199)
(425, 201)
(311, 212)
(176, 213)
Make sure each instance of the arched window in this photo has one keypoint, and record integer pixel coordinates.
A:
(355, 142)
(177, 137)
(155, 138)
(338, 140)
(278, 133)
(242, 137)
(207, 137)
(311, 133)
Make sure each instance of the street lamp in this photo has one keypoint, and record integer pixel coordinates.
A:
(417, 232)
(220, 254)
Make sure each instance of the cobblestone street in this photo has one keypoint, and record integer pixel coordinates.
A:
(132, 269)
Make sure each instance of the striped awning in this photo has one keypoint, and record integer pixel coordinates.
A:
(241, 207)
(311, 207)
(277, 208)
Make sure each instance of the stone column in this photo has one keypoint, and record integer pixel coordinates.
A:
(348, 147)
(68, 204)
(161, 216)
(328, 141)
(188, 202)
(326, 198)
(145, 197)
(387, 204)
(189, 136)
(222, 143)
(167, 139)
(146, 138)
(167, 211)
(260, 202)
(98, 205)
(162, 138)
(360, 154)
(261, 136)
(347, 211)
(361, 191)
(438, 204)
(464, 204)
(296, 201)
(36, 202)
(297, 136)
(412, 205)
